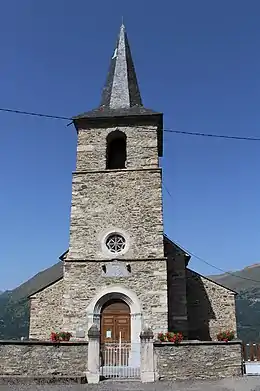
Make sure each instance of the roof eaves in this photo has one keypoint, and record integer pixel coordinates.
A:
(61, 257)
(214, 282)
(178, 248)
(107, 113)
(44, 287)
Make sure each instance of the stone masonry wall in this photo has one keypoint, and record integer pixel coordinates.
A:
(43, 359)
(123, 201)
(84, 280)
(127, 201)
(46, 311)
(141, 147)
(211, 307)
(177, 301)
(202, 360)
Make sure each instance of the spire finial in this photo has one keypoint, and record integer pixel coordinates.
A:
(122, 24)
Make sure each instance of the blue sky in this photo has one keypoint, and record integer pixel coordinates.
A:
(197, 61)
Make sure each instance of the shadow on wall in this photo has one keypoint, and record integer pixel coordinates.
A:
(199, 309)
(176, 284)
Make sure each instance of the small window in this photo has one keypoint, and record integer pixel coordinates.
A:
(115, 243)
(116, 150)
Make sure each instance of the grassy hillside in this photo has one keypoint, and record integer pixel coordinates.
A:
(14, 309)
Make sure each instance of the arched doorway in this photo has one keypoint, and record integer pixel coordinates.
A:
(127, 304)
(115, 321)
(121, 293)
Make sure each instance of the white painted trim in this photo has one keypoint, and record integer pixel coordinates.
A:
(125, 294)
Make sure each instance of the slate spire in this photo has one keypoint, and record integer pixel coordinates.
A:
(121, 102)
(121, 89)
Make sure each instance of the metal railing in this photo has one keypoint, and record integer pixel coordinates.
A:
(251, 352)
(120, 360)
(251, 358)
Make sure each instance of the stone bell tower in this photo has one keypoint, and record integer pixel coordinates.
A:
(116, 250)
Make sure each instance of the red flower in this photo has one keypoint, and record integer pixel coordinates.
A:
(170, 337)
(55, 337)
(161, 337)
(226, 336)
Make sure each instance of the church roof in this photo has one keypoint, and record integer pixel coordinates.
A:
(121, 94)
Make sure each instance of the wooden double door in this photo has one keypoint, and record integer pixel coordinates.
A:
(115, 322)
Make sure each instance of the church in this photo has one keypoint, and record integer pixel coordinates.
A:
(121, 272)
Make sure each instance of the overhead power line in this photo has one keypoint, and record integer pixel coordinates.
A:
(215, 267)
(50, 116)
(206, 262)
(30, 113)
(212, 135)
(198, 134)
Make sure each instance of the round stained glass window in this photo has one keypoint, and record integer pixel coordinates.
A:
(115, 243)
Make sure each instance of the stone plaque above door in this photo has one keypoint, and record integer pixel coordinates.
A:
(115, 269)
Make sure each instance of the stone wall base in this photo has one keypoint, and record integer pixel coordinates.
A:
(43, 359)
(198, 360)
(93, 378)
(42, 380)
(67, 362)
(147, 377)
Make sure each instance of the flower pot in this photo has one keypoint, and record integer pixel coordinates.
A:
(66, 339)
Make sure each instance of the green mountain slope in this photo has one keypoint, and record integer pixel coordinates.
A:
(14, 308)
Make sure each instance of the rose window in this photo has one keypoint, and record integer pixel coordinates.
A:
(115, 243)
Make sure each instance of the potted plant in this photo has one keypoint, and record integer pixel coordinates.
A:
(55, 337)
(161, 337)
(226, 336)
(170, 337)
(65, 336)
(62, 336)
